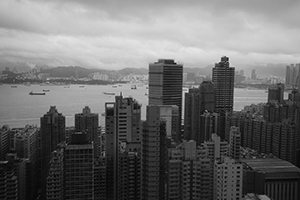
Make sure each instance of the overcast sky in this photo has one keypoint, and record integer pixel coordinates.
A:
(114, 34)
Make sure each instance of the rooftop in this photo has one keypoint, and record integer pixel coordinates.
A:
(272, 165)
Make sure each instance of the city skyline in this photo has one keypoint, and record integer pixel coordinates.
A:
(118, 34)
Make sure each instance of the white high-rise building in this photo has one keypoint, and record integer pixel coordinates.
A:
(228, 179)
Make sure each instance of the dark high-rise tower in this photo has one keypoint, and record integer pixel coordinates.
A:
(207, 92)
(276, 93)
(165, 84)
(52, 133)
(88, 123)
(223, 79)
(192, 114)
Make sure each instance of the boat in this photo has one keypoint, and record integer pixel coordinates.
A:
(114, 86)
(133, 87)
(46, 90)
(146, 94)
(81, 85)
(103, 114)
(109, 93)
(37, 93)
(13, 86)
(66, 86)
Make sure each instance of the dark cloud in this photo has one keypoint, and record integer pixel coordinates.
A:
(121, 33)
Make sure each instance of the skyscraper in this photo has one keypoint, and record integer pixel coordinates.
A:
(223, 80)
(123, 130)
(88, 123)
(165, 84)
(154, 156)
(52, 133)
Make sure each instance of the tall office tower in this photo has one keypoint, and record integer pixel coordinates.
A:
(55, 179)
(88, 123)
(165, 84)
(9, 181)
(235, 143)
(154, 155)
(79, 168)
(288, 76)
(26, 146)
(123, 131)
(192, 114)
(223, 80)
(253, 74)
(4, 141)
(273, 177)
(52, 132)
(276, 93)
(228, 179)
(207, 92)
(209, 124)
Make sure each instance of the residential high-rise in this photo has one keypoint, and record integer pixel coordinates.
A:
(154, 156)
(79, 168)
(253, 74)
(123, 135)
(209, 124)
(165, 84)
(288, 75)
(52, 132)
(235, 143)
(228, 179)
(88, 123)
(197, 101)
(223, 80)
(55, 178)
(26, 147)
(9, 181)
(4, 141)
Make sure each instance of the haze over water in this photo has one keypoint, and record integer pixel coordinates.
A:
(18, 108)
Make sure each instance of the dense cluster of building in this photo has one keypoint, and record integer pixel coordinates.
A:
(159, 158)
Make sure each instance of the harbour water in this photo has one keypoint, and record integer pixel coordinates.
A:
(18, 108)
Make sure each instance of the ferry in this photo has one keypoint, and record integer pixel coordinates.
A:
(109, 93)
(37, 93)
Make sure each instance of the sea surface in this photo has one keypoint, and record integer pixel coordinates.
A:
(18, 108)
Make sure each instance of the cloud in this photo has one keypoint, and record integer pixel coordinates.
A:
(130, 33)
